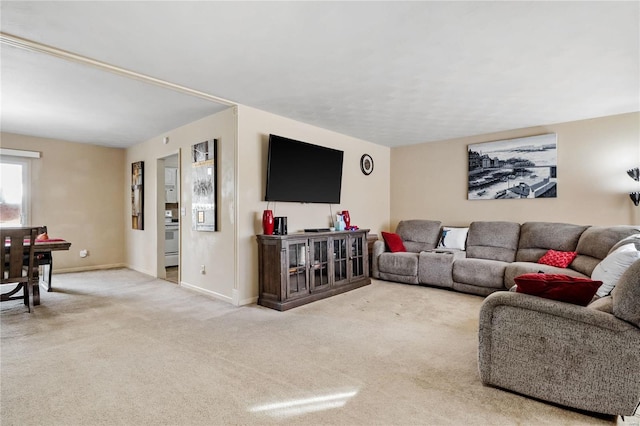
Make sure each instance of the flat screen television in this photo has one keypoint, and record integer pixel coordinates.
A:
(302, 172)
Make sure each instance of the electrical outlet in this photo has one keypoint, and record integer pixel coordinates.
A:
(202, 270)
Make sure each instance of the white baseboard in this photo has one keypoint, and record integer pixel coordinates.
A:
(213, 294)
(89, 268)
(248, 301)
(235, 294)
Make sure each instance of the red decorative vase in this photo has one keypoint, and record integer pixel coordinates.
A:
(267, 222)
(346, 218)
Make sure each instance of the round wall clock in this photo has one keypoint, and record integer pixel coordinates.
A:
(366, 164)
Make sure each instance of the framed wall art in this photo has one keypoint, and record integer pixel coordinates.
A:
(204, 185)
(513, 168)
(137, 195)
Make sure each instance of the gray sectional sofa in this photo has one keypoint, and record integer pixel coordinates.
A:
(496, 252)
(582, 357)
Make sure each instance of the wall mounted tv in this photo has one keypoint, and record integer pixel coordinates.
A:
(302, 172)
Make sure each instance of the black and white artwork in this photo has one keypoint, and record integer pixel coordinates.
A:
(514, 168)
(137, 195)
(204, 185)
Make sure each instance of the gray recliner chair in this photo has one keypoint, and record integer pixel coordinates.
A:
(417, 235)
(582, 357)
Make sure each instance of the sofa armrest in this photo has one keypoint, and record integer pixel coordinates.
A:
(567, 354)
(378, 248)
(554, 308)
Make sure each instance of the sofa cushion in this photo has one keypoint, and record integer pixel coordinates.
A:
(519, 268)
(584, 264)
(603, 304)
(536, 238)
(393, 242)
(596, 242)
(613, 266)
(399, 263)
(479, 272)
(435, 268)
(493, 240)
(626, 295)
(419, 235)
(564, 288)
(631, 239)
(560, 259)
(406, 279)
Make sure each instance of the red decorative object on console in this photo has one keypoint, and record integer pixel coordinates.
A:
(267, 222)
(346, 218)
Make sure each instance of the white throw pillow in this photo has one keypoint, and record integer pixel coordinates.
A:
(613, 266)
(453, 238)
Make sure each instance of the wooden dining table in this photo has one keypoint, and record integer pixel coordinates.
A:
(44, 246)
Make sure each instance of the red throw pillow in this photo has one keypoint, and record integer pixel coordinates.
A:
(393, 242)
(564, 288)
(561, 259)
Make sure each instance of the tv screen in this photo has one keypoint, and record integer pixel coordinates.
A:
(302, 172)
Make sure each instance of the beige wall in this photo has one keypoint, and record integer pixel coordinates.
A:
(366, 197)
(77, 193)
(215, 250)
(82, 192)
(429, 181)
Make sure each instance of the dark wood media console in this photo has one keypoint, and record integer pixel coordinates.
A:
(301, 268)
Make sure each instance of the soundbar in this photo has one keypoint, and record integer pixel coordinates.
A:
(317, 230)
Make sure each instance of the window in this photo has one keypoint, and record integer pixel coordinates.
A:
(14, 191)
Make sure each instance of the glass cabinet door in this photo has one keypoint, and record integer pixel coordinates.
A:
(358, 247)
(319, 267)
(340, 260)
(297, 280)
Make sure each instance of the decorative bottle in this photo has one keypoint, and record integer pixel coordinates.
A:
(346, 218)
(267, 222)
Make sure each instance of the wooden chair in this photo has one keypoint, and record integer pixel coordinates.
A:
(45, 259)
(18, 252)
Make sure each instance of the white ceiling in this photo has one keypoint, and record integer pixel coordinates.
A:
(393, 73)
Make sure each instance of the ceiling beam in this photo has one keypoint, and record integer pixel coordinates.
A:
(33, 46)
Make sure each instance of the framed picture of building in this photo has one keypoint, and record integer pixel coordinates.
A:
(137, 195)
(204, 171)
(514, 168)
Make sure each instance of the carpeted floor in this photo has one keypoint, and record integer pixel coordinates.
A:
(119, 347)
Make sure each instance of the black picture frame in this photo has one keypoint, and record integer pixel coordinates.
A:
(518, 168)
(137, 195)
(204, 186)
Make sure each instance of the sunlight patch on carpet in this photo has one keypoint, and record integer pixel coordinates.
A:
(296, 407)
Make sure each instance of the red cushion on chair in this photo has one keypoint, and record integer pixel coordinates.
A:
(393, 242)
(560, 259)
(564, 288)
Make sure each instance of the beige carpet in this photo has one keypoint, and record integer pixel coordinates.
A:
(118, 347)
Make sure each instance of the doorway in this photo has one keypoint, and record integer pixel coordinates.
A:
(169, 167)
